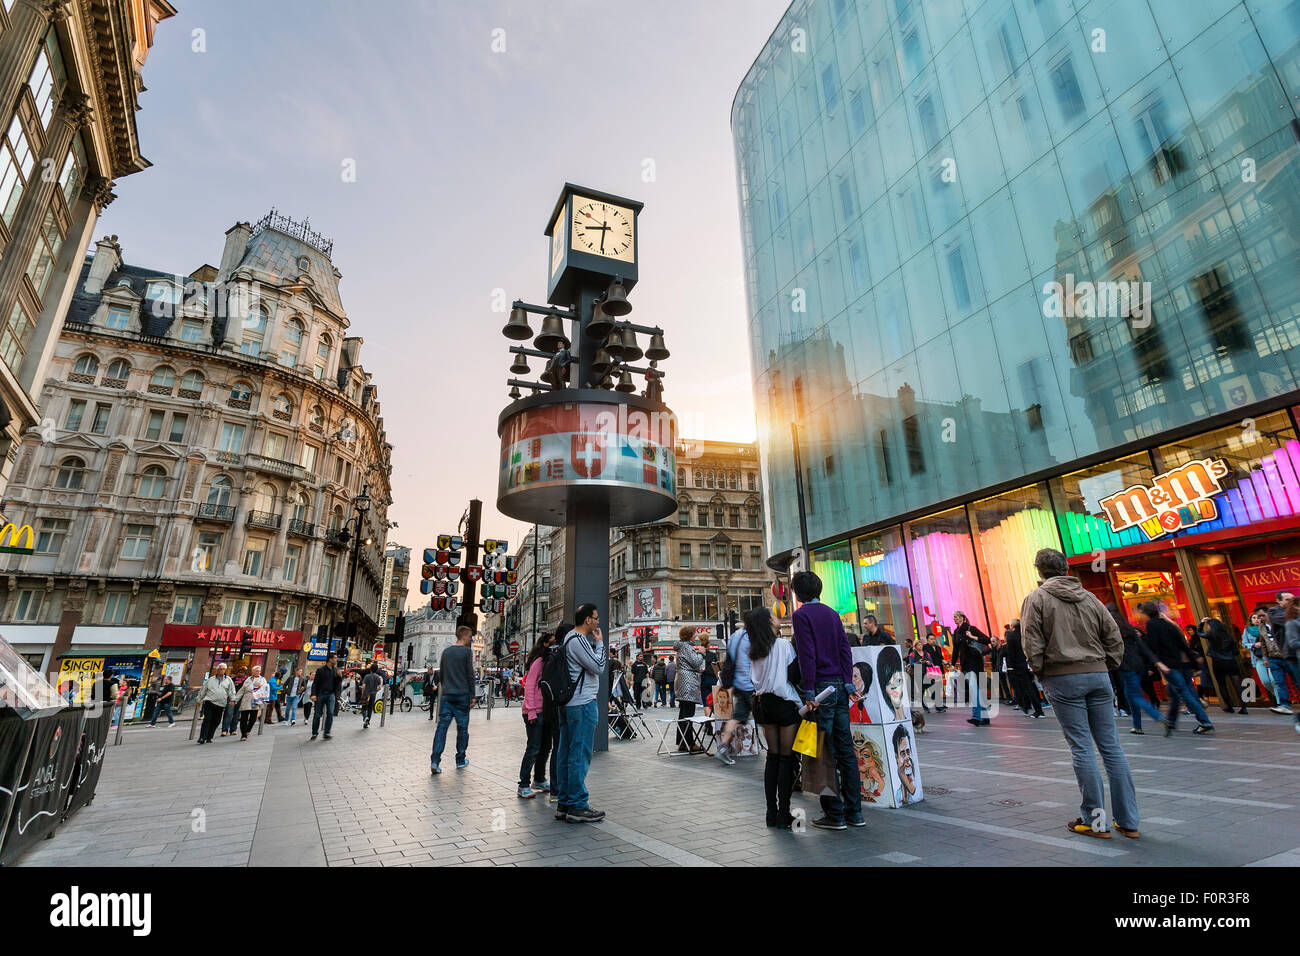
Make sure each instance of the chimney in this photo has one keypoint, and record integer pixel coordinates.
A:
(107, 259)
(237, 237)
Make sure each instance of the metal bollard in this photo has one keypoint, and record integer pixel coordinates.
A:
(194, 718)
(388, 701)
(261, 718)
(121, 719)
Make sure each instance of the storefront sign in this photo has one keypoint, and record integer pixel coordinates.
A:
(10, 537)
(319, 651)
(1271, 577)
(1174, 501)
(388, 591)
(205, 635)
(648, 604)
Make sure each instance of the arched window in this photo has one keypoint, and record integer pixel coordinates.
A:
(153, 482)
(293, 335)
(301, 508)
(219, 490)
(250, 342)
(118, 370)
(241, 392)
(336, 518)
(282, 407)
(323, 348)
(264, 500)
(70, 474)
(163, 377)
(733, 481)
(317, 417)
(86, 365)
(192, 382)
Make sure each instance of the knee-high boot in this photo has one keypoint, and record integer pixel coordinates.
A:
(784, 784)
(771, 784)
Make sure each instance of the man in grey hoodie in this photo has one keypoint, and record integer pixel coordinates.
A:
(1071, 643)
(587, 656)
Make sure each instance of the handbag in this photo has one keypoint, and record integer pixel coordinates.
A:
(805, 740)
(819, 777)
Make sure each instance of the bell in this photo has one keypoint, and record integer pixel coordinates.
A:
(514, 392)
(600, 325)
(631, 351)
(615, 302)
(607, 381)
(656, 352)
(552, 337)
(517, 326)
(520, 367)
(614, 345)
(625, 382)
(602, 363)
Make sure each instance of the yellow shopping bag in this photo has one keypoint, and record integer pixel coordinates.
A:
(805, 741)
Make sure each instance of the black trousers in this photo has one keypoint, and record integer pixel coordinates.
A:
(367, 710)
(306, 709)
(685, 708)
(211, 718)
(247, 718)
(1117, 687)
(533, 729)
(1026, 692)
(1228, 675)
(547, 749)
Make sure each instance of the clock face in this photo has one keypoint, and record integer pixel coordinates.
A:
(557, 241)
(603, 229)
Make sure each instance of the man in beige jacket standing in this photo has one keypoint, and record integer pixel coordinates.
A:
(1071, 642)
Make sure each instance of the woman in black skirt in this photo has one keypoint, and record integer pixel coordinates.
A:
(776, 709)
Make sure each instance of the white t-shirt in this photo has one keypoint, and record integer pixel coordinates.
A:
(771, 674)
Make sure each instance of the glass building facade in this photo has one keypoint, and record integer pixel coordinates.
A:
(1004, 258)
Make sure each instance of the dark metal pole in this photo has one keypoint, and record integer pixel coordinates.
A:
(467, 616)
(356, 555)
(536, 578)
(798, 488)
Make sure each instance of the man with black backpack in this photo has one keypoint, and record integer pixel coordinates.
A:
(571, 681)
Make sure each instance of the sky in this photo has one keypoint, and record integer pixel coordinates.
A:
(461, 122)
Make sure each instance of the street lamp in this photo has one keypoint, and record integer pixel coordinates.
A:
(361, 504)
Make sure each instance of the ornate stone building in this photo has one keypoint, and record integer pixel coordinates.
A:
(697, 565)
(70, 80)
(210, 434)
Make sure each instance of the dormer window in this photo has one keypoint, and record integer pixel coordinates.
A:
(163, 297)
(124, 283)
(192, 331)
(118, 317)
(304, 265)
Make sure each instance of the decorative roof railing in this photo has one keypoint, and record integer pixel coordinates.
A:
(298, 230)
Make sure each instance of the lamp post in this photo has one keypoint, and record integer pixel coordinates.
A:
(361, 504)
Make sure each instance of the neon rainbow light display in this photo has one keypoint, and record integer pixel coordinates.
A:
(837, 584)
(1008, 550)
(945, 577)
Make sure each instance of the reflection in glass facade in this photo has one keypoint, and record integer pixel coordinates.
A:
(914, 175)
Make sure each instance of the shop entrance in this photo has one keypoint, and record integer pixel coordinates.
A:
(1151, 577)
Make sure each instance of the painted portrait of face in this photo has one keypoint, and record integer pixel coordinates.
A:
(907, 787)
(871, 766)
(892, 681)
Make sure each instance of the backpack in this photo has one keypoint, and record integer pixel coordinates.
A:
(556, 685)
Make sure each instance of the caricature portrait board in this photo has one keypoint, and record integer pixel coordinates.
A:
(873, 763)
(879, 677)
(902, 765)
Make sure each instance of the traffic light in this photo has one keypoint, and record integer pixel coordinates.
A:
(733, 619)
(722, 632)
(245, 643)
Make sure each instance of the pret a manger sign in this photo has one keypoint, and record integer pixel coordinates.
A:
(1175, 500)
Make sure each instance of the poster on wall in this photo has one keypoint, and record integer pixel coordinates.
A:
(904, 772)
(647, 603)
(879, 686)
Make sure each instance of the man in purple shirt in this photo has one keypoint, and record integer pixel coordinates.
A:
(826, 661)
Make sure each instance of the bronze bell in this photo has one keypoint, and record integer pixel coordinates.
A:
(602, 363)
(514, 392)
(600, 325)
(614, 345)
(607, 381)
(625, 382)
(552, 337)
(520, 366)
(615, 302)
(631, 351)
(656, 352)
(517, 327)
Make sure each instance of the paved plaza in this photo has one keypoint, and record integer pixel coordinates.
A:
(995, 796)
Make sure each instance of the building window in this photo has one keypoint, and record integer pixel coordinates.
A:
(293, 334)
(50, 535)
(163, 380)
(232, 437)
(28, 606)
(187, 608)
(254, 555)
(118, 317)
(747, 599)
(684, 516)
(191, 331)
(99, 424)
(735, 557)
(136, 542)
(753, 517)
(309, 454)
(219, 490)
(292, 613)
(237, 612)
(154, 426)
(699, 478)
(292, 558)
(76, 412)
(718, 517)
(47, 78)
(16, 162)
(250, 341)
(702, 516)
(733, 516)
(179, 421)
(115, 607)
(706, 556)
(274, 447)
(756, 558)
(48, 243)
(206, 551)
(302, 508)
(684, 556)
(327, 573)
(192, 382)
(282, 407)
(117, 371)
(153, 482)
(86, 365)
(71, 474)
(16, 337)
(699, 604)
(241, 392)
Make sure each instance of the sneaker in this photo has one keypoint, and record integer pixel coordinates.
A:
(585, 815)
(541, 786)
(855, 821)
(1084, 829)
(723, 755)
(293, 723)
(462, 764)
(1039, 716)
(561, 813)
(1204, 729)
(829, 823)
(972, 721)
(328, 737)
(434, 767)
(525, 793)
(313, 736)
(1282, 709)
(1137, 730)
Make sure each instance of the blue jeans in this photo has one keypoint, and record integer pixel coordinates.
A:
(1180, 688)
(291, 707)
(452, 707)
(1137, 701)
(577, 737)
(975, 692)
(324, 705)
(833, 719)
(1084, 706)
(163, 707)
(230, 719)
(1279, 669)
